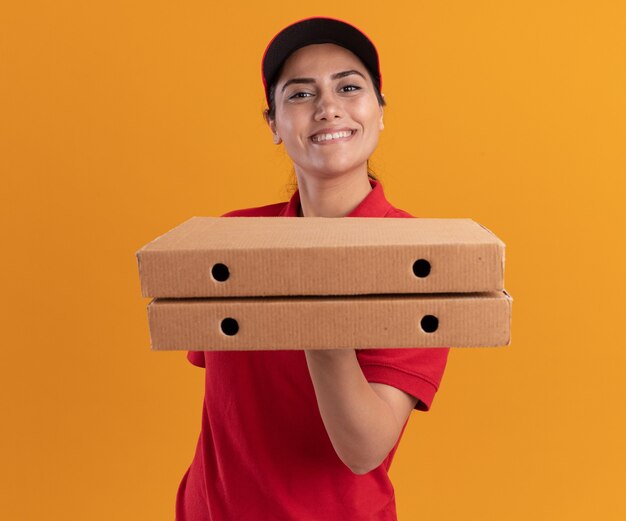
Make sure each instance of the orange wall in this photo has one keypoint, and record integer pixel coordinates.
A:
(119, 120)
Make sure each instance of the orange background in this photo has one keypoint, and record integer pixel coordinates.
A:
(119, 120)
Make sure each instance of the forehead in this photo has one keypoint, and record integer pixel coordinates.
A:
(319, 60)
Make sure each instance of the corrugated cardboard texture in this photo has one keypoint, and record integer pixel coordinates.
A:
(357, 322)
(268, 256)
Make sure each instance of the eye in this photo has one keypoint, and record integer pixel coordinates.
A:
(297, 95)
(355, 87)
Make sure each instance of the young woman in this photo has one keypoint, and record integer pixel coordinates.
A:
(309, 435)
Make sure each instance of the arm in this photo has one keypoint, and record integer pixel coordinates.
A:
(363, 420)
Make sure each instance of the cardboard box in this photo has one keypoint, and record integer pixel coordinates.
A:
(246, 283)
(269, 256)
(356, 322)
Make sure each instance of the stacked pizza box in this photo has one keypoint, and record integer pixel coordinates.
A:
(251, 283)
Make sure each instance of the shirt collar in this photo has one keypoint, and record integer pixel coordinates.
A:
(374, 204)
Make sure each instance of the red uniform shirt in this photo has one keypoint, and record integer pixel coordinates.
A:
(263, 451)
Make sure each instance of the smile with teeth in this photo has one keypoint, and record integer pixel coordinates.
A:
(329, 137)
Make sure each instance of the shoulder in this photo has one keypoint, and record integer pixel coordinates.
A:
(269, 210)
(398, 213)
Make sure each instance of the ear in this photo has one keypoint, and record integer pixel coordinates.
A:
(382, 113)
(272, 125)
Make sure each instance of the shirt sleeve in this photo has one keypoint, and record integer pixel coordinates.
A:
(415, 370)
(196, 358)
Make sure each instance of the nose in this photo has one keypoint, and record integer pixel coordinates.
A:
(328, 106)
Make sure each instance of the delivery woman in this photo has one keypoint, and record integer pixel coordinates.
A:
(299, 435)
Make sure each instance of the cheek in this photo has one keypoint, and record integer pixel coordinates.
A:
(367, 113)
(289, 124)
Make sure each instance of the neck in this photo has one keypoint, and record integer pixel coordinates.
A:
(336, 197)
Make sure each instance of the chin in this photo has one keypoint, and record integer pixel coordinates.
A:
(336, 171)
(339, 167)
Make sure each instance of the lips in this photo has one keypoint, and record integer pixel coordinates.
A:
(328, 132)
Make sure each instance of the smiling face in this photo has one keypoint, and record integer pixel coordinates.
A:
(327, 113)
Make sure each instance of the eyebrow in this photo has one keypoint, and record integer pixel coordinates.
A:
(311, 80)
